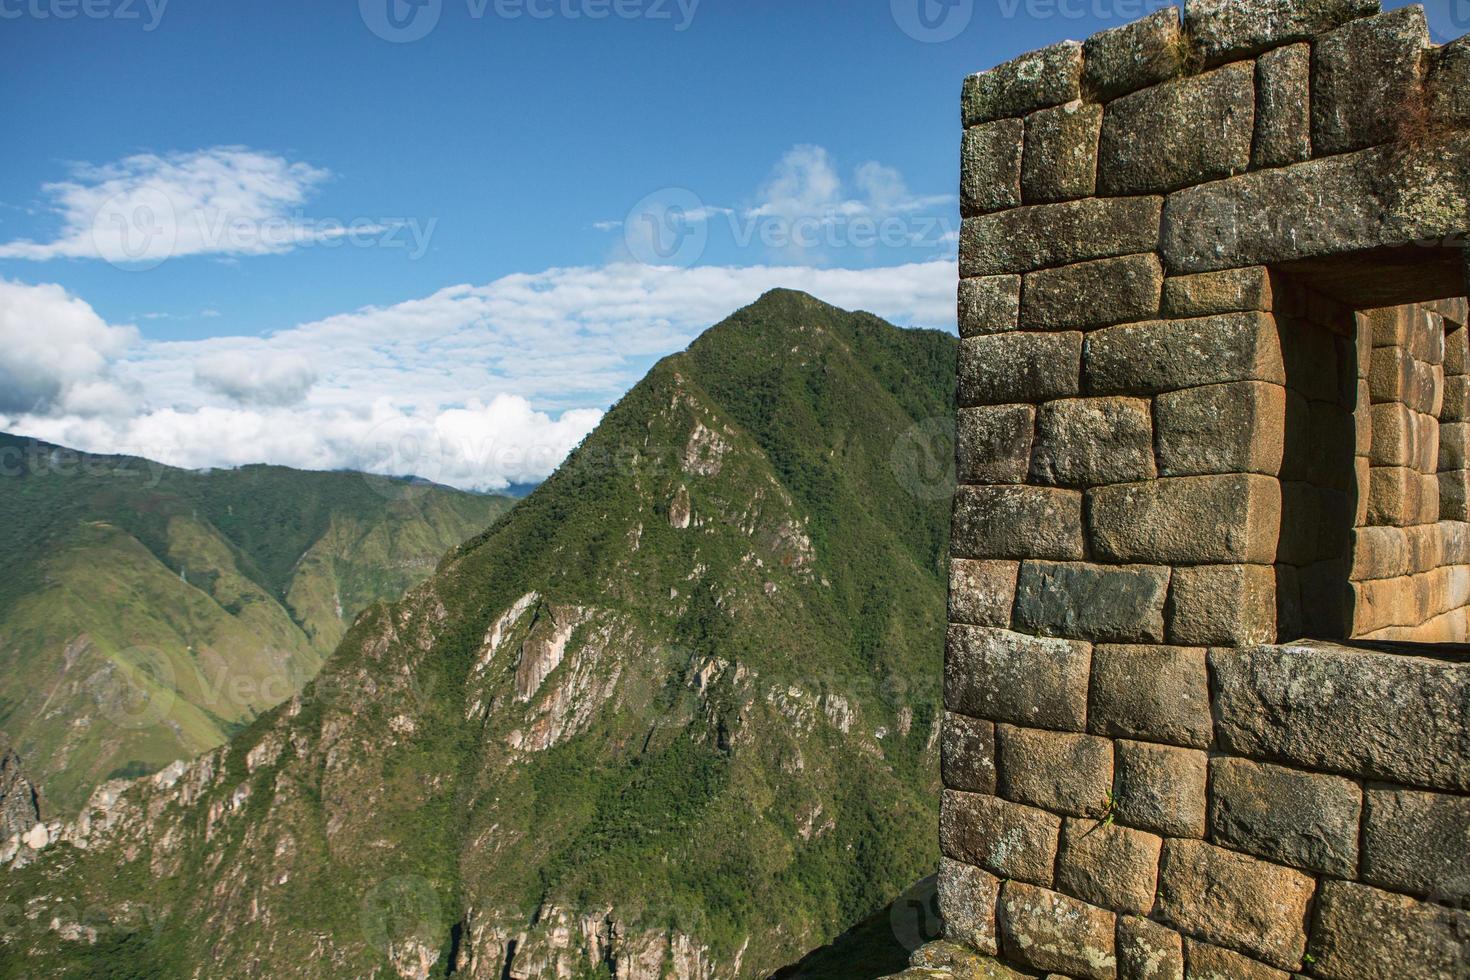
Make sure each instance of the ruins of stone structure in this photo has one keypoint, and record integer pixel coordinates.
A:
(1213, 432)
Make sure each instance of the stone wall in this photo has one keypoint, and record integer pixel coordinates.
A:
(1211, 382)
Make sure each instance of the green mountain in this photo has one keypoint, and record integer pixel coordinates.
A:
(673, 716)
(147, 613)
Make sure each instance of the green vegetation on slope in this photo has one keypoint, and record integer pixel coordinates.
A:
(147, 613)
(683, 696)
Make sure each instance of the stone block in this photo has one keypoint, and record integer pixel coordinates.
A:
(967, 901)
(1395, 434)
(1303, 819)
(1227, 291)
(1059, 771)
(1148, 951)
(990, 166)
(1409, 716)
(1040, 235)
(1454, 495)
(1398, 495)
(1185, 132)
(1090, 441)
(1157, 693)
(993, 443)
(989, 304)
(1119, 603)
(1454, 445)
(1236, 901)
(1033, 81)
(1206, 962)
(1418, 842)
(1328, 206)
(1107, 865)
(1367, 80)
(1006, 839)
(1233, 605)
(1283, 107)
(1456, 351)
(981, 593)
(1366, 934)
(1238, 427)
(1187, 519)
(1047, 931)
(1390, 374)
(1289, 615)
(1017, 522)
(1134, 56)
(1381, 552)
(1060, 162)
(1221, 30)
(1160, 788)
(967, 753)
(1162, 355)
(1456, 399)
(1007, 368)
(1092, 294)
(1012, 677)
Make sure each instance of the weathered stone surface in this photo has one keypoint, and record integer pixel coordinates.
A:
(1090, 441)
(1060, 162)
(967, 900)
(1283, 107)
(1226, 291)
(1402, 496)
(1017, 522)
(1236, 901)
(1047, 931)
(1238, 427)
(1108, 865)
(1225, 29)
(989, 304)
(1119, 603)
(1162, 355)
(967, 753)
(944, 960)
(1418, 842)
(1019, 367)
(1006, 839)
(1456, 398)
(990, 166)
(1033, 81)
(1232, 605)
(1454, 445)
(1307, 820)
(1180, 133)
(1059, 771)
(1012, 677)
(1134, 56)
(1206, 962)
(1365, 934)
(1328, 206)
(993, 443)
(1161, 788)
(1366, 78)
(1217, 519)
(1409, 716)
(1148, 951)
(1454, 496)
(1040, 235)
(1092, 294)
(1449, 85)
(1156, 693)
(981, 593)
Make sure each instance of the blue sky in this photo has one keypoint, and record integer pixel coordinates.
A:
(488, 170)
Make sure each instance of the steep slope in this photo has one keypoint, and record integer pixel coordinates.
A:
(147, 613)
(673, 716)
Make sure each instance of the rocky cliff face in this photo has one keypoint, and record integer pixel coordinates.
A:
(674, 716)
(19, 805)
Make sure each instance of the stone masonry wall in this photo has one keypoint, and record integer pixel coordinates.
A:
(1212, 396)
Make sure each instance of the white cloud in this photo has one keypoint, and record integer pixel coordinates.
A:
(56, 353)
(261, 377)
(476, 386)
(225, 200)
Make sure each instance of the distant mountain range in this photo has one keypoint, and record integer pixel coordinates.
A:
(216, 594)
(674, 715)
